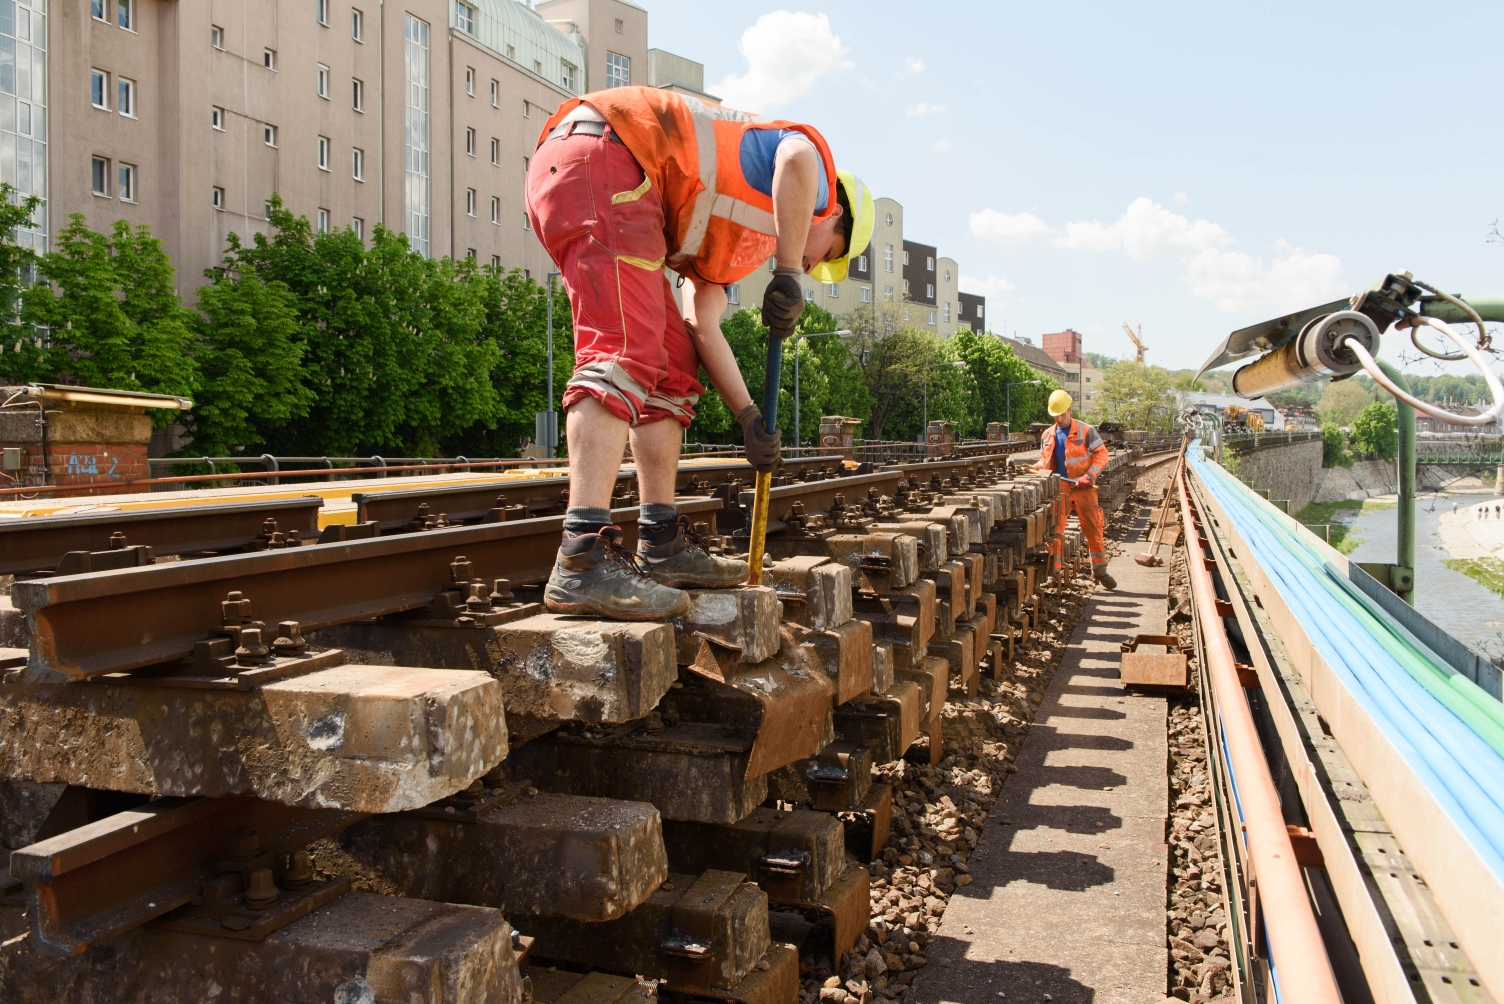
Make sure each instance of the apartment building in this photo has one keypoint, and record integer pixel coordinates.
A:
(1081, 380)
(971, 310)
(187, 116)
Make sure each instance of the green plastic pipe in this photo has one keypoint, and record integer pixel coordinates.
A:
(1405, 534)
(1488, 308)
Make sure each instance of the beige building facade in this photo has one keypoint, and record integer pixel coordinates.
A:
(187, 115)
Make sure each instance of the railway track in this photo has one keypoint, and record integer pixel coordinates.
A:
(360, 761)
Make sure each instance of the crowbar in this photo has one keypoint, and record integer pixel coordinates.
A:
(761, 499)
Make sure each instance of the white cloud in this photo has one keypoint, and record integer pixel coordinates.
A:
(990, 286)
(1091, 329)
(943, 143)
(921, 109)
(787, 52)
(1239, 283)
(1180, 197)
(912, 67)
(1007, 228)
(1145, 230)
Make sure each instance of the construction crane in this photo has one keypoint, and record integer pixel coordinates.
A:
(1138, 345)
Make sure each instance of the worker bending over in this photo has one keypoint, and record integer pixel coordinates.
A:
(1073, 450)
(625, 182)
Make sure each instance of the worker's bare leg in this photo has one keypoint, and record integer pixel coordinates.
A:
(591, 576)
(665, 545)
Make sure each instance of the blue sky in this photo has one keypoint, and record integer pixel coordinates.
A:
(1189, 167)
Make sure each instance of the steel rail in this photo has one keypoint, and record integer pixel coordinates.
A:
(36, 544)
(1300, 960)
(87, 625)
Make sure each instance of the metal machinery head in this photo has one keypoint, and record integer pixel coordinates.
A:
(1318, 351)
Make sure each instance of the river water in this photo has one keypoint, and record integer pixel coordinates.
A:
(1464, 609)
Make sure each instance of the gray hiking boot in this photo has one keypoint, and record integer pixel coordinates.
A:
(683, 560)
(595, 574)
(1103, 576)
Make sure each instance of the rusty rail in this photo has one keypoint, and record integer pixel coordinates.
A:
(1304, 972)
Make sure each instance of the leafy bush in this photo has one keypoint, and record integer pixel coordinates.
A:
(1334, 446)
(1376, 431)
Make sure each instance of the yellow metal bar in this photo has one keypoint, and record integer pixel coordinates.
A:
(759, 526)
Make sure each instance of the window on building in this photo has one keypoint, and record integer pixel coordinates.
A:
(887, 257)
(618, 70)
(216, 36)
(772, 264)
(323, 223)
(99, 89)
(470, 141)
(267, 210)
(269, 135)
(470, 81)
(358, 164)
(469, 202)
(945, 311)
(865, 295)
(932, 317)
(496, 94)
(527, 221)
(733, 294)
(496, 261)
(321, 11)
(358, 227)
(929, 264)
(217, 118)
(323, 153)
(323, 81)
(833, 290)
(495, 210)
(809, 296)
(888, 293)
(269, 58)
(512, 52)
(125, 182)
(470, 253)
(125, 14)
(217, 198)
(947, 275)
(527, 109)
(566, 76)
(495, 151)
(358, 94)
(125, 97)
(621, 26)
(100, 176)
(906, 287)
(357, 25)
(464, 17)
(861, 263)
(889, 219)
(979, 311)
(929, 291)
(96, 10)
(905, 259)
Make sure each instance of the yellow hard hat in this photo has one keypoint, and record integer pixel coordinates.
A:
(1060, 403)
(863, 216)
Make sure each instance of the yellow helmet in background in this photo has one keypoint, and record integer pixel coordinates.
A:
(863, 216)
(1060, 403)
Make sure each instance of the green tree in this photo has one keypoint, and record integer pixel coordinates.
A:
(1138, 396)
(1376, 431)
(22, 356)
(1341, 402)
(248, 361)
(992, 366)
(112, 313)
(1334, 447)
(393, 343)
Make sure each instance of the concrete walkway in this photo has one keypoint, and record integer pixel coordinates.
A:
(1068, 900)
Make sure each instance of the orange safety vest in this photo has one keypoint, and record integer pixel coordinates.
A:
(718, 227)
(1085, 453)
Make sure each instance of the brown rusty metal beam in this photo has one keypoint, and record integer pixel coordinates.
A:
(91, 884)
(33, 545)
(87, 625)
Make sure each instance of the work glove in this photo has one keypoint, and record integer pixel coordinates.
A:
(783, 301)
(1083, 482)
(762, 449)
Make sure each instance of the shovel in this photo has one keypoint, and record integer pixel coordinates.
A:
(1151, 558)
(760, 499)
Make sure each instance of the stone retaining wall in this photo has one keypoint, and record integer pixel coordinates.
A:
(1362, 480)
(1287, 471)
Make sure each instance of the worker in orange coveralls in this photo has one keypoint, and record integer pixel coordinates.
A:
(1076, 452)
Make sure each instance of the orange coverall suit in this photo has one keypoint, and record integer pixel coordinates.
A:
(1085, 456)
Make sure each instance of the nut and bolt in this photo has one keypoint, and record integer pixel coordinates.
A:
(234, 609)
(261, 892)
(251, 651)
(289, 641)
(299, 874)
(117, 541)
(245, 844)
(461, 571)
(479, 600)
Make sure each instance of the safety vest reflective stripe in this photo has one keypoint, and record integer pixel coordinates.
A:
(704, 118)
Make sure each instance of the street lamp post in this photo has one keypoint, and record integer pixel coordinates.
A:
(958, 365)
(843, 333)
(1008, 401)
(551, 422)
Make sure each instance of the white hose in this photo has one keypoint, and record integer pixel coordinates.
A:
(1381, 378)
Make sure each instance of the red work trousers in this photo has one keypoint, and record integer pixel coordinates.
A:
(602, 223)
(1083, 501)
